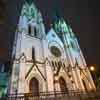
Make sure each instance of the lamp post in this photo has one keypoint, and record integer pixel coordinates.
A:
(92, 69)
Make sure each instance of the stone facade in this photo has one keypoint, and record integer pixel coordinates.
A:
(54, 59)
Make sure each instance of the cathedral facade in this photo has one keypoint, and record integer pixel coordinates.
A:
(46, 62)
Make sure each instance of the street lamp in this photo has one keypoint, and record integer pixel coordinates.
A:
(92, 68)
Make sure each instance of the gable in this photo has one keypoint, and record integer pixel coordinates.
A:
(55, 45)
(52, 37)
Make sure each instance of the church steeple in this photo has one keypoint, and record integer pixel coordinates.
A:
(31, 21)
(60, 26)
(58, 22)
(29, 10)
(29, 1)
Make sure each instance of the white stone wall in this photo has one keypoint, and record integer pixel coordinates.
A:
(44, 73)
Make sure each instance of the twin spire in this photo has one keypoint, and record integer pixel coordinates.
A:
(30, 11)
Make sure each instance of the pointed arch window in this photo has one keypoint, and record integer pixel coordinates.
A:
(29, 29)
(32, 31)
(52, 63)
(33, 53)
(35, 32)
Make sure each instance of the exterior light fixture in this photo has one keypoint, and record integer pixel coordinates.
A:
(92, 68)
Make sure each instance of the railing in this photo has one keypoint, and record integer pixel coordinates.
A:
(72, 95)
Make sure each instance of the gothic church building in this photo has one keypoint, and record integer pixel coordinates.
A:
(46, 62)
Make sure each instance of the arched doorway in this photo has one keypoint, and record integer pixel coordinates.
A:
(63, 86)
(34, 86)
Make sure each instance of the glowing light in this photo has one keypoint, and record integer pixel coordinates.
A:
(92, 68)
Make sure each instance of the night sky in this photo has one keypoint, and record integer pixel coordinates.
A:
(83, 16)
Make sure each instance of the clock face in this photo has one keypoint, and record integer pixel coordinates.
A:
(55, 51)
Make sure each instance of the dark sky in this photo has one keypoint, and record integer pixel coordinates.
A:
(83, 16)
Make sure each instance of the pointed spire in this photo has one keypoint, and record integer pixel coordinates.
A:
(60, 26)
(56, 11)
(58, 22)
(29, 1)
(29, 10)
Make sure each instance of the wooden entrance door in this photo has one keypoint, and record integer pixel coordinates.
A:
(34, 86)
(63, 86)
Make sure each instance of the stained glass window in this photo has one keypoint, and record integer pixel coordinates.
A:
(55, 51)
